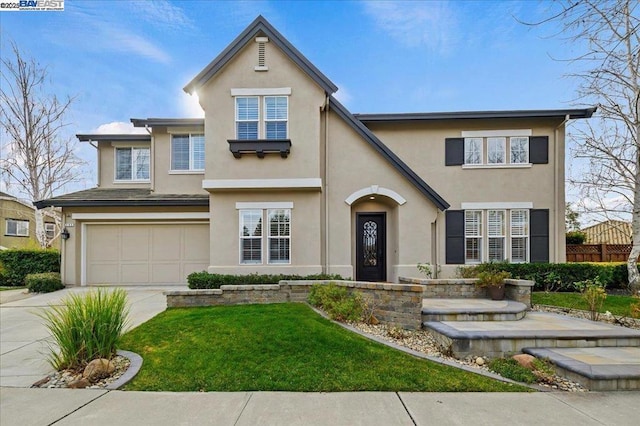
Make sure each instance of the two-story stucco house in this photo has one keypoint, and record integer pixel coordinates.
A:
(279, 177)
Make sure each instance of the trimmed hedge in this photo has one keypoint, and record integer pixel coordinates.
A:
(558, 276)
(43, 283)
(205, 280)
(18, 264)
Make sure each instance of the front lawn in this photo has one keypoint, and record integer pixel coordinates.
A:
(279, 347)
(6, 288)
(617, 305)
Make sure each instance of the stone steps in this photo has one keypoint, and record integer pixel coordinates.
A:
(598, 369)
(472, 310)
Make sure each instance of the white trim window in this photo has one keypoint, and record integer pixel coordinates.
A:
(279, 236)
(496, 235)
(251, 236)
(132, 164)
(472, 150)
(50, 230)
(519, 149)
(187, 152)
(276, 117)
(519, 236)
(247, 117)
(16, 228)
(496, 150)
(270, 123)
(473, 236)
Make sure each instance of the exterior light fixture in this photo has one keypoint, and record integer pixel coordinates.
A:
(65, 234)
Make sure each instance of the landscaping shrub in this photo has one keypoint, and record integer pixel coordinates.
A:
(43, 283)
(593, 293)
(555, 276)
(205, 280)
(85, 327)
(575, 237)
(337, 302)
(18, 264)
(509, 368)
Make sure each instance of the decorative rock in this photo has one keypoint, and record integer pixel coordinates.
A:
(98, 369)
(525, 360)
(480, 360)
(41, 382)
(79, 384)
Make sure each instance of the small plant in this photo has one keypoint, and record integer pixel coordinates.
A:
(85, 327)
(339, 304)
(552, 282)
(492, 279)
(428, 270)
(43, 283)
(467, 272)
(369, 307)
(509, 368)
(594, 294)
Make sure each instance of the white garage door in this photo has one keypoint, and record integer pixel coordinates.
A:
(140, 254)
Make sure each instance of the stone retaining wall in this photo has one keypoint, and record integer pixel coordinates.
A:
(465, 288)
(399, 304)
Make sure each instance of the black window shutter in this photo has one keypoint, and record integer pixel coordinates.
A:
(453, 151)
(454, 237)
(539, 235)
(539, 149)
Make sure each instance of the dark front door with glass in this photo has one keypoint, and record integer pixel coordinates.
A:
(371, 264)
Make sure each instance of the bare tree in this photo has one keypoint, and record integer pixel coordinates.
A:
(36, 158)
(605, 32)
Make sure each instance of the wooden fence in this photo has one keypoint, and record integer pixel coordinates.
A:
(598, 252)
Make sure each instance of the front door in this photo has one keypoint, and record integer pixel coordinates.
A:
(371, 247)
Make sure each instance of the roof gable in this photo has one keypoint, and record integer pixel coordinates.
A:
(388, 155)
(260, 26)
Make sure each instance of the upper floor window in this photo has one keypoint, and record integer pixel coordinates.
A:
(473, 151)
(132, 164)
(496, 150)
(500, 150)
(17, 228)
(271, 124)
(519, 149)
(187, 152)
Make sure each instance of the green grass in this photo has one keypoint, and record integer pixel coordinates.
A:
(617, 305)
(280, 347)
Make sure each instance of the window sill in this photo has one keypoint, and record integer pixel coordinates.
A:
(497, 166)
(129, 182)
(260, 147)
(186, 172)
(16, 236)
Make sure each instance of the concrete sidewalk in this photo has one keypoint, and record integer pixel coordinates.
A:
(98, 407)
(24, 339)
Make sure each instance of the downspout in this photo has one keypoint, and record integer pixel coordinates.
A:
(556, 172)
(436, 258)
(152, 159)
(97, 155)
(327, 251)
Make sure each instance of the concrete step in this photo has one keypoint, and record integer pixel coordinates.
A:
(472, 310)
(536, 330)
(598, 369)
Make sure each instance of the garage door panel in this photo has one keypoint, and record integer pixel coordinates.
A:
(145, 253)
(135, 242)
(167, 242)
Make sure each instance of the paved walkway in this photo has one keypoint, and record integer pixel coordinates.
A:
(64, 407)
(24, 340)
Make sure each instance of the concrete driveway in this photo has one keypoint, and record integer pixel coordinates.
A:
(24, 340)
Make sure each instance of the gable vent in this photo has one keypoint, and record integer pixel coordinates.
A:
(262, 41)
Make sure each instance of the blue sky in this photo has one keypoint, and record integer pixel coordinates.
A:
(124, 59)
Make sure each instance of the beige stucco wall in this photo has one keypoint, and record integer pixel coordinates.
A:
(71, 248)
(422, 147)
(304, 119)
(10, 209)
(106, 169)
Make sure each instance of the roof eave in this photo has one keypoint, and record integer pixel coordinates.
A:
(260, 25)
(167, 122)
(118, 203)
(112, 137)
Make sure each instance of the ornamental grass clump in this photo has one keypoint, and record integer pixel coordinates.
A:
(85, 327)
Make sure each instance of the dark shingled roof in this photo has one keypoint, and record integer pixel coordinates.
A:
(167, 122)
(104, 137)
(458, 115)
(108, 197)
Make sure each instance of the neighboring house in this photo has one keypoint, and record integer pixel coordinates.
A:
(608, 232)
(18, 222)
(279, 177)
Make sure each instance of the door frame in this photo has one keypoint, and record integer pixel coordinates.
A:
(382, 240)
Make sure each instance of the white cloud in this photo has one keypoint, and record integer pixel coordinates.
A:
(163, 14)
(343, 95)
(118, 128)
(190, 106)
(417, 23)
(128, 42)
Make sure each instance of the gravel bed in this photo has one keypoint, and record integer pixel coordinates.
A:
(422, 341)
(61, 379)
(607, 317)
